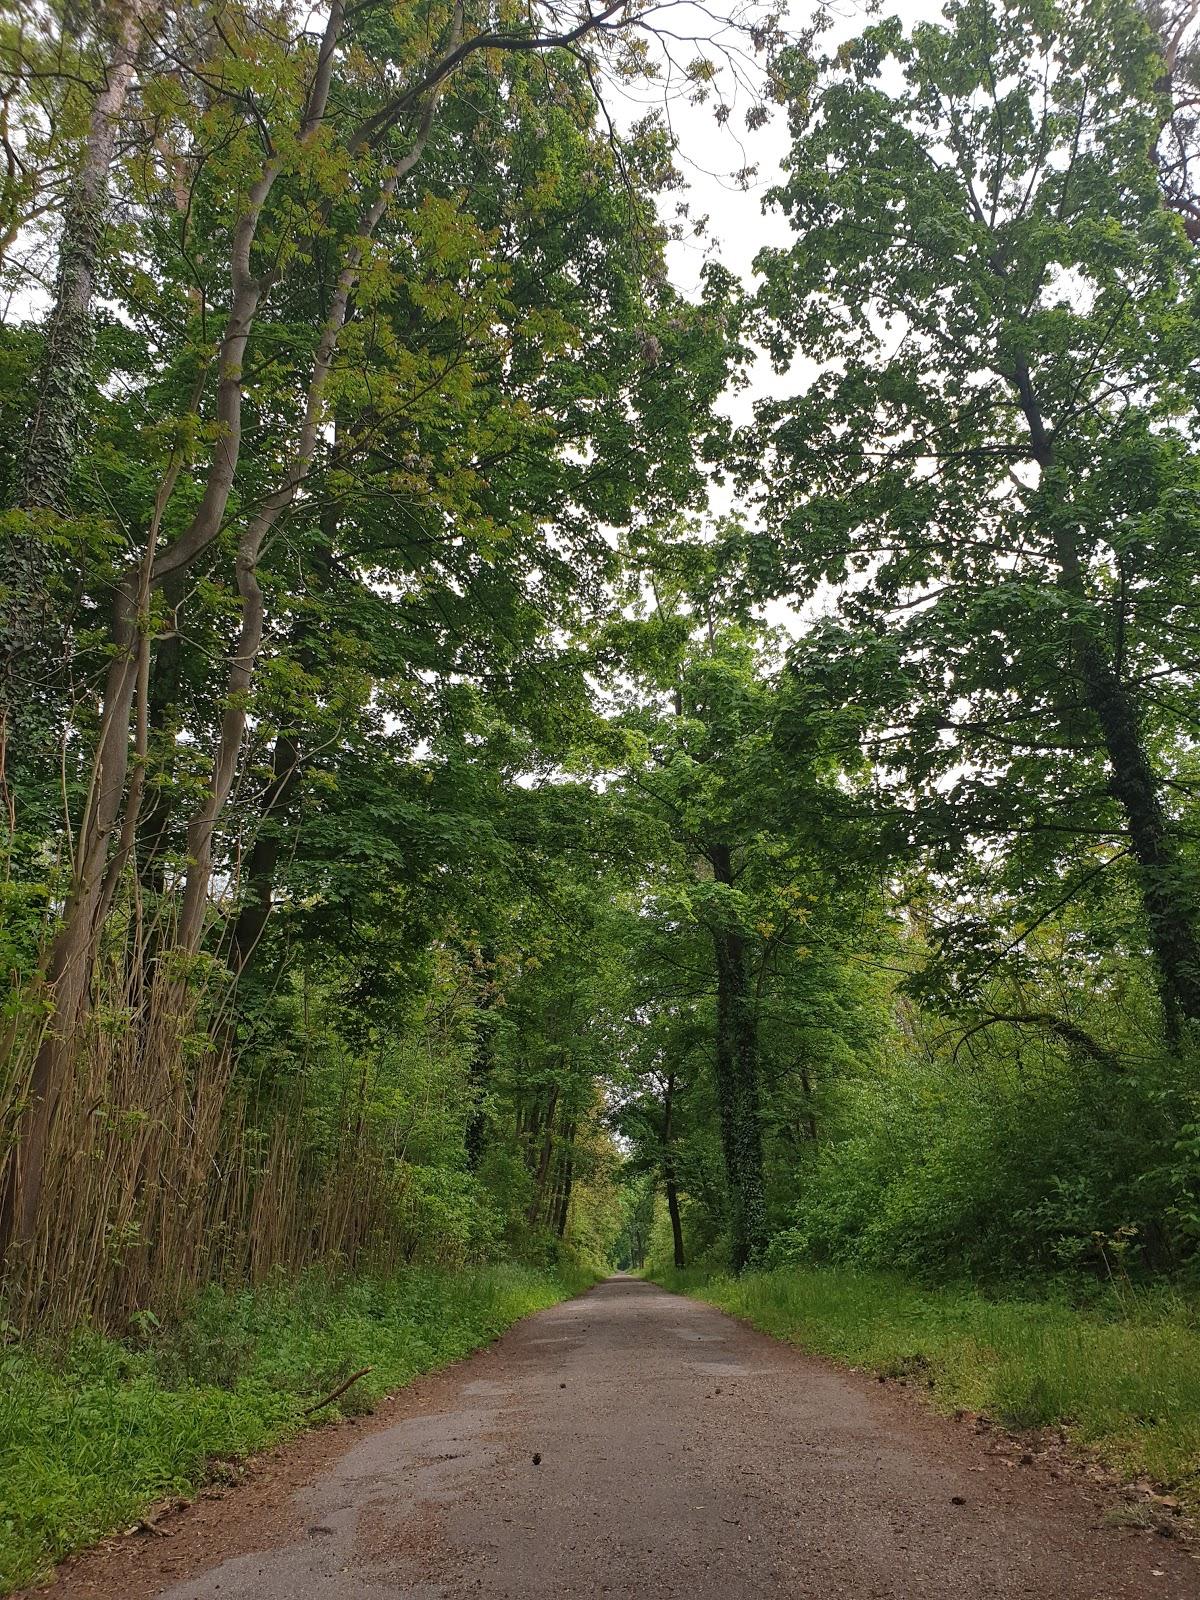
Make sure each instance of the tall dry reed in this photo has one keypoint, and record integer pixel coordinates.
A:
(164, 1173)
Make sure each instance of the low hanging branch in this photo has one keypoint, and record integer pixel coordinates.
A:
(1071, 1034)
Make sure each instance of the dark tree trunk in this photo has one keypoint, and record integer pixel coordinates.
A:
(672, 1186)
(738, 1085)
(1168, 897)
(543, 1166)
(482, 1060)
(566, 1182)
(676, 1224)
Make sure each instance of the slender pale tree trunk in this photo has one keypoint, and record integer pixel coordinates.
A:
(62, 379)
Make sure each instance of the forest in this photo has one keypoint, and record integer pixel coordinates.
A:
(512, 764)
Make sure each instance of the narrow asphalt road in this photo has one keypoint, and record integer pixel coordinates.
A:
(634, 1444)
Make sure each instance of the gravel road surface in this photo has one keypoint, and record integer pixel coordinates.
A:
(634, 1444)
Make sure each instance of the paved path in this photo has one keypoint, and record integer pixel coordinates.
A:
(681, 1454)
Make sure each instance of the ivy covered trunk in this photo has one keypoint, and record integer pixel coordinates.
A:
(676, 1223)
(670, 1178)
(482, 1058)
(738, 1090)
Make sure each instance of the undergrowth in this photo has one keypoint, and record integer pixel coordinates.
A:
(94, 1430)
(1124, 1379)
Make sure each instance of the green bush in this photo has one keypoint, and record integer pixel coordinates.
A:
(1032, 1165)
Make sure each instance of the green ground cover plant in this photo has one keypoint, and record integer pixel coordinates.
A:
(1122, 1376)
(94, 1431)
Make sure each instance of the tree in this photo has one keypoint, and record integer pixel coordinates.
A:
(304, 288)
(993, 458)
(742, 848)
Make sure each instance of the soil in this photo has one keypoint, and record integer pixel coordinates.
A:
(634, 1444)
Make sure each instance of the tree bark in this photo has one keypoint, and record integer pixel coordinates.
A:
(62, 379)
(543, 1166)
(669, 1179)
(63, 371)
(481, 1061)
(563, 1207)
(166, 677)
(1168, 899)
(738, 1084)
(676, 1224)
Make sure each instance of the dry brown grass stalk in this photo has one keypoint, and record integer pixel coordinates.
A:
(162, 1175)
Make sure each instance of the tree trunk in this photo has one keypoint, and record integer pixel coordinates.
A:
(1166, 895)
(543, 1168)
(563, 1207)
(676, 1224)
(68, 970)
(738, 1085)
(165, 680)
(564, 1201)
(481, 1061)
(62, 379)
(1169, 899)
(672, 1186)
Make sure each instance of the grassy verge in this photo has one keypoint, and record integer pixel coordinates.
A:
(1126, 1383)
(93, 1432)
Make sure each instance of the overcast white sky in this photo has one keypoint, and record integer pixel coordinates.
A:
(709, 155)
(739, 227)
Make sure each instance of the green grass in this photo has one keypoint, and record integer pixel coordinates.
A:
(1125, 1380)
(93, 1432)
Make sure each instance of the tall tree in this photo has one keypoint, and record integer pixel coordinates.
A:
(993, 458)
